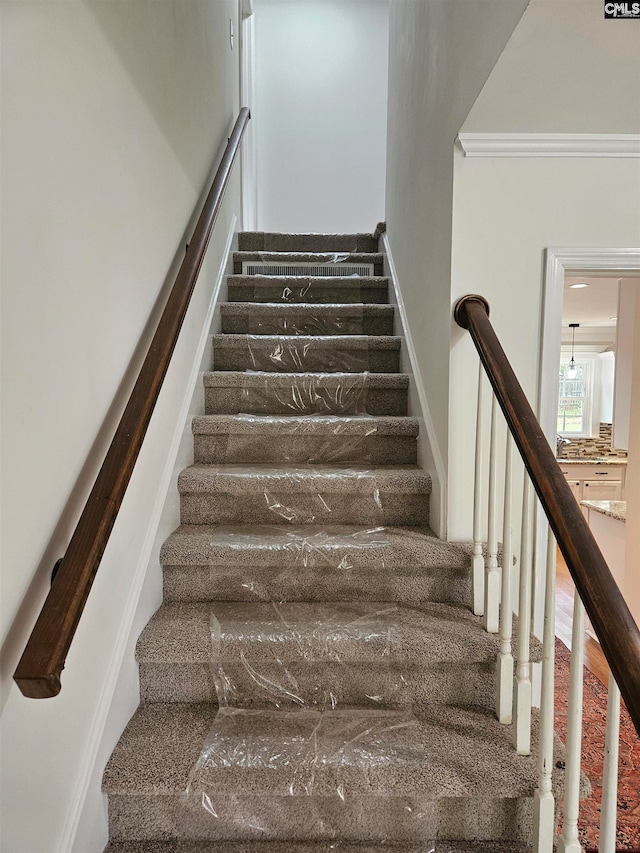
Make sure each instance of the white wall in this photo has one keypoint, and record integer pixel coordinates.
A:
(320, 117)
(440, 55)
(113, 114)
(627, 298)
(506, 211)
(565, 70)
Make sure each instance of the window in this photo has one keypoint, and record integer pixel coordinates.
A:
(574, 401)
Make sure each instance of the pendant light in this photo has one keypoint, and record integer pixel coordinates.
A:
(572, 370)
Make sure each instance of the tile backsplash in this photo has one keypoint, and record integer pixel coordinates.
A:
(586, 447)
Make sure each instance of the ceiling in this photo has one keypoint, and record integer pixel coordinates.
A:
(595, 308)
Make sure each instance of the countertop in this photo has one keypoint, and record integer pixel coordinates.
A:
(614, 509)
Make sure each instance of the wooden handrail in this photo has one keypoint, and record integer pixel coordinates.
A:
(40, 667)
(612, 621)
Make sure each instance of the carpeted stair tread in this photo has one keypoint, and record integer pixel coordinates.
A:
(323, 425)
(382, 342)
(263, 392)
(230, 379)
(331, 479)
(305, 439)
(311, 259)
(270, 241)
(307, 353)
(335, 563)
(467, 753)
(410, 585)
(369, 654)
(322, 546)
(308, 289)
(304, 319)
(334, 257)
(357, 632)
(158, 846)
(304, 494)
(313, 753)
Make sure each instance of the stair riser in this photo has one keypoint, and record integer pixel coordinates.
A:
(218, 583)
(321, 324)
(260, 401)
(291, 449)
(155, 846)
(272, 289)
(309, 818)
(357, 258)
(297, 358)
(408, 510)
(320, 683)
(267, 241)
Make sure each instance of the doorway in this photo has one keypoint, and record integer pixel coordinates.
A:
(564, 267)
(247, 99)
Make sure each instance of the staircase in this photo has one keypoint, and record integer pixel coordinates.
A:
(314, 679)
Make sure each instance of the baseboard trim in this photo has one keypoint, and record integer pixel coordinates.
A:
(138, 577)
(549, 144)
(439, 495)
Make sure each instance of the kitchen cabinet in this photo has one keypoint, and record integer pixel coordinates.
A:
(601, 490)
(594, 481)
(576, 487)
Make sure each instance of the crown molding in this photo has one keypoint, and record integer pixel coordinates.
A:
(549, 144)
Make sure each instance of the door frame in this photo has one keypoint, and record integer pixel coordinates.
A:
(248, 171)
(558, 263)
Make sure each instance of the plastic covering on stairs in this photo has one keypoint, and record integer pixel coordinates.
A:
(314, 678)
(269, 723)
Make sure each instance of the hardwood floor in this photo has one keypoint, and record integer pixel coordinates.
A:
(594, 659)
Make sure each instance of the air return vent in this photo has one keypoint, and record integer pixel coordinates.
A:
(301, 268)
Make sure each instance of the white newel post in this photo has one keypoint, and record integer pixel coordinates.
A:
(478, 559)
(492, 577)
(610, 772)
(522, 683)
(569, 842)
(504, 674)
(543, 815)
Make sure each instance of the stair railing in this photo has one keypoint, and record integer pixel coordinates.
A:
(40, 667)
(596, 589)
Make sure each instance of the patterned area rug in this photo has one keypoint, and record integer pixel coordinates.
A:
(594, 710)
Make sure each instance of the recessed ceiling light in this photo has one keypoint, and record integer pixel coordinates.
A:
(579, 285)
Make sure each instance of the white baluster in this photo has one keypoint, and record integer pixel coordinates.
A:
(569, 842)
(504, 674)
(609, 805)
(491, 620)
(478, 560)
(522, 681)
(543, 801)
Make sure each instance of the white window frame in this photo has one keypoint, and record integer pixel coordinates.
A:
(586, 361)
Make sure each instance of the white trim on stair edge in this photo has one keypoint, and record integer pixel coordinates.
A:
(87, 769)
(438, 502)
(549, 144)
